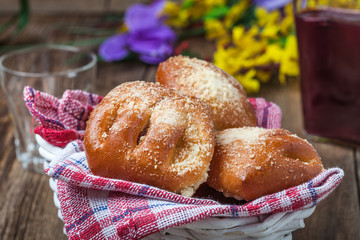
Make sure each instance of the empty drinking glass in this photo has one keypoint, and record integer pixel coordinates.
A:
(51, 69)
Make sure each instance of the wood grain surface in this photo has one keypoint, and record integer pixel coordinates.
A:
(27, 210)
(70, 6)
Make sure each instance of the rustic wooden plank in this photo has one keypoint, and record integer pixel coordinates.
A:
(6, 137)
(29, 211)
(357, 169)
(338, 216)
(56, 7)
(111, 75)
(26, 205)
(70, 6)
(9, 6)
(52, 29)
(67, 6)
(120, 6)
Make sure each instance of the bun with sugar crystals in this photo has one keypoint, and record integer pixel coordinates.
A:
(227, 100)
(251, 162)
(146, 133)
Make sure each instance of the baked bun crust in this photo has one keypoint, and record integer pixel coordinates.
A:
(252, 162)
(146, 133)
(226, 97)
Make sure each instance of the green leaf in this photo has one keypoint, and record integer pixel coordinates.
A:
(217, 12)
(281, 40)
(187, 4)
(248, 18)
(233, 2)
(24, 13)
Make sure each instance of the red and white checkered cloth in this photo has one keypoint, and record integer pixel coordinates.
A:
(101, 208)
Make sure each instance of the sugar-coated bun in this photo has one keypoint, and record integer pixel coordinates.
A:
(227, 100)
(251, 162)
(146, 133)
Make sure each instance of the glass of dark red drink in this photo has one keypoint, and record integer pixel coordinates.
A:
(328, 34)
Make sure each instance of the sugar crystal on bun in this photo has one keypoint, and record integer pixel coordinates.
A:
(146, 133)
(226, 97)
(251, 162)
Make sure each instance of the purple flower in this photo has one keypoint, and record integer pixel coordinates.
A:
(154, 45)
(114, 48)
(148, 36)
(141, 17)
(271, 4)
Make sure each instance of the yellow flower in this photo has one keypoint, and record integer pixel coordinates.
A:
(289, 11)
(343, 3)
(247, 40)
(274, 52)
(237, 33)
(214, 28)
(248, 81)
(313, 3)
(287, 23)
(270, 31)
(262, 59)
(263, 76)
(235, 12)
(224, 40)
(228, 59)
(180, 17)
(171, 9)
(253, 31)
(199, 8)
(244, 51)
(334, 3)
(252, 48)
(289, 62)
(177, 17)
(264, 17)
(197, 12)
(273, 23)
(213, 3)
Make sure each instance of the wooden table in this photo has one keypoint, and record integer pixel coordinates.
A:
(27, 210)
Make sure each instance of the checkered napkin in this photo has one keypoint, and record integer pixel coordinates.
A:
(61, 120)
(101, 208)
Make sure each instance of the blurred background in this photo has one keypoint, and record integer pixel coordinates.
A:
(68, 6)
(253, 40)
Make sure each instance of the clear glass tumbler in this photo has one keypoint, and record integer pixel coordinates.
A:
(51, 69)
(328, 34)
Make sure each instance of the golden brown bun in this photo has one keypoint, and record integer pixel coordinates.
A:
(252, 162)
(146, 133)
(224, 94)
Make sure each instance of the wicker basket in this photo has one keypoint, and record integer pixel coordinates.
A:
(272, 226)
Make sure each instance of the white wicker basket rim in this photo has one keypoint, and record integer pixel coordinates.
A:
(272, 226)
